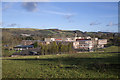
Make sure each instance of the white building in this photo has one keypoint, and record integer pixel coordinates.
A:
(87, 43)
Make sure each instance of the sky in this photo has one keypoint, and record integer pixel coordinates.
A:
(83, 16)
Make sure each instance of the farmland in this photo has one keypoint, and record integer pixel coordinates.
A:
(77, 65)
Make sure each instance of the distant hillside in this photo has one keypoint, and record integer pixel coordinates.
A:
(43, 32)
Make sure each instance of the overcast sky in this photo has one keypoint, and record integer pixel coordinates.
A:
(84, 16)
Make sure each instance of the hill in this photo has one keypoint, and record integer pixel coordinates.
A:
(42, 32)
(13, 36)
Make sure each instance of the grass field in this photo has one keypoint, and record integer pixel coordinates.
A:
(76, 65)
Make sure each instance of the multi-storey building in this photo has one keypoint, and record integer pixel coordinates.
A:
(86, 43)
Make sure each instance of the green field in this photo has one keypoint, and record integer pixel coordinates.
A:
(76, 65)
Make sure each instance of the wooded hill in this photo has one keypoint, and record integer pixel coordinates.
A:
(12, 36)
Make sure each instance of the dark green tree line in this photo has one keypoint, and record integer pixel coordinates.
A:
(55, 48)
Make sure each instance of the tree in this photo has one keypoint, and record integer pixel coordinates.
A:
(69, 47)
(35, 44)
(29, 38)
(54, 48)
(59, 47)
(62, 48)
(43, 50)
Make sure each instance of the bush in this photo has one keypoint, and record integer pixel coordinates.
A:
(7, 53)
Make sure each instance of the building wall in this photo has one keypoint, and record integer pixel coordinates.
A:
(101, 46)
(49, 39)
(85, 46)
(84, 41)
(59, 39)
(27, 42)
(92, 43)
(76, 44)
(102, 41)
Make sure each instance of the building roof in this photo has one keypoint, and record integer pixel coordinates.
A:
(83, 39)
(23, 46)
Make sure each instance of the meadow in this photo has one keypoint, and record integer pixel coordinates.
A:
(76, 65)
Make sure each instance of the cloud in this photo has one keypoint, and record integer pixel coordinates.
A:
(112, 24)
(70, 21)
(30, 6)
(12, 25)
(94, 23)
(67, 16)
(3, 24)
(57, 12)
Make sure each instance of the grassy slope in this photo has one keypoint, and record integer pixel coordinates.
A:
(80, 65)
(33, 31)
